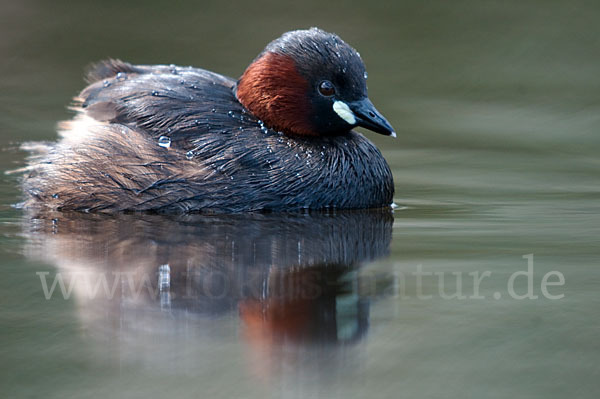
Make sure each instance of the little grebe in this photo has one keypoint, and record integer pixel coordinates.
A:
(174, 139)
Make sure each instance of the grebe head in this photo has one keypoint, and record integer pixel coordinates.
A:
(310, 83)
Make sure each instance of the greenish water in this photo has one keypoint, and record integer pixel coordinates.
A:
(496, 105)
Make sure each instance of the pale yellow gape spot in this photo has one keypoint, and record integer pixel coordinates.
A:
(344, 112)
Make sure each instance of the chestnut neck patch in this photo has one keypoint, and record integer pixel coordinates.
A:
(274, 91)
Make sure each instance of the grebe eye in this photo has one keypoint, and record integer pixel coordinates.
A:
(326, 88)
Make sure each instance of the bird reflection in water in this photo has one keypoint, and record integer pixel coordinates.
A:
(293, 279)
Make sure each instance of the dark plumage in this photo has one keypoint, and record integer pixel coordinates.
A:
(215, 154)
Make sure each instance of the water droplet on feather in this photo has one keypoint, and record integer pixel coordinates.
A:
(164, 141)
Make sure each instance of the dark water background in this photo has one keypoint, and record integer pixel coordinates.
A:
(496, 105)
